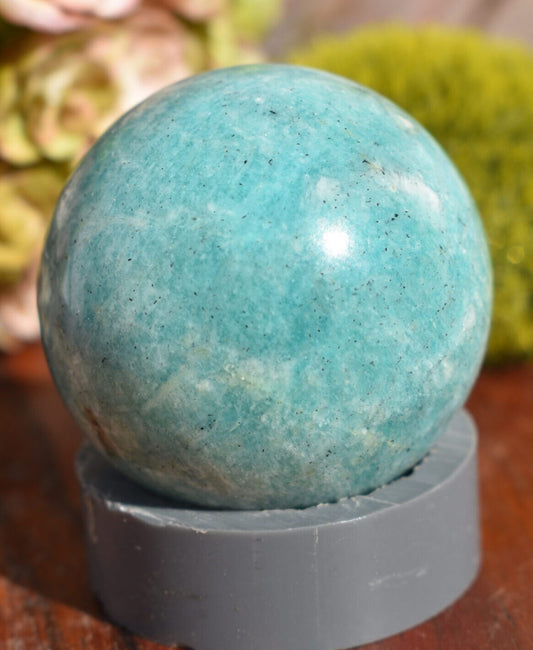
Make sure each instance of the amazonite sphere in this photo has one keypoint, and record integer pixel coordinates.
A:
(265, 287)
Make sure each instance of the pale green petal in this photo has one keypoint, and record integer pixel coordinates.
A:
(15, 146)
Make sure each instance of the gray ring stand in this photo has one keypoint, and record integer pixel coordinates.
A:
(323, 578)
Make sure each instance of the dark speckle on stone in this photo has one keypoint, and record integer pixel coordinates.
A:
(101, 435)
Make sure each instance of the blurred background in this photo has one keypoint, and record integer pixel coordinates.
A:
(463, 68)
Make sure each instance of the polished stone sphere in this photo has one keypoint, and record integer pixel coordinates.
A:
(265, 287)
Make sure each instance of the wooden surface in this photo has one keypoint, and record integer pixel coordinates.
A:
(45, 600)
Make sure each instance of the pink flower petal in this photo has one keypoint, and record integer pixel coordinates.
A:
(107, 9)
(40, 15)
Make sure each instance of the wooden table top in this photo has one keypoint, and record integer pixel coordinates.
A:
(45, 599)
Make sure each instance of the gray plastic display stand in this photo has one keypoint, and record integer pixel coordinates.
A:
(323, 578)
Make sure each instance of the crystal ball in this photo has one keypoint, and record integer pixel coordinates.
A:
(265, 287)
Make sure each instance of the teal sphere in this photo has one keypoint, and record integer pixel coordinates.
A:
(265, 287)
